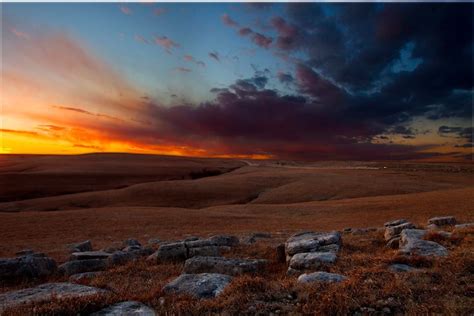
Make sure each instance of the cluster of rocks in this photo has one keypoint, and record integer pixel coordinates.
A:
(409, 240)
(206, 276)
(310, 251)
(191, 247)
(206, 273)
(84, 261)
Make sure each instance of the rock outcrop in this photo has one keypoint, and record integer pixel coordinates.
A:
(203, 285)
(80, 266)
(324, 277)
(80, 246)
(223, 265)
(45, 292)
(33, 265)
(411, 243)
(305, 250)
(442, 221)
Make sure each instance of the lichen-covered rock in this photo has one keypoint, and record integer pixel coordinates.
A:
(324, 277)
(394, 231)
(131, 308)
(442, 220)
(311, 242)
(45, 292)
(80, 246)
(26, 267)
(223, 265)
(311, 260)
(203, 285)
(411, 243)
(80, 266)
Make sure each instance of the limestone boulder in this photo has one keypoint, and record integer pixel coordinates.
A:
(311, 260)
(26, 267)
(203, 285)
(442, 220)
(323, 277)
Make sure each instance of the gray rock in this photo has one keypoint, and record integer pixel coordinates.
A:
(212, 251)
(224, 240)
(442, 220)
(85, 276)
(223, 265)
(132, 308)
(311, 241)
(311, 260)
(320, 277)
(203, 285)
(122, 257)
(394, 231)
(131, 242)
(293, 272)
(89, 255)
(45, 292)
(399, 267)
(26, 267)
(329, 248)
(172, 252)
(465, 225)
(80, 266)
(411, 243)
(395, 222)
(80, 246)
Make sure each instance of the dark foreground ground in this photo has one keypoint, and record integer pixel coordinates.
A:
(50, 201)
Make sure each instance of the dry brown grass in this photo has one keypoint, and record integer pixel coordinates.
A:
(440, 286)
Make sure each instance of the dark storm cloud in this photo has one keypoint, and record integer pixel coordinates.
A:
(363, 72)
(356, 46)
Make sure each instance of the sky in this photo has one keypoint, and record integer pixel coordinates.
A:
(305, 81)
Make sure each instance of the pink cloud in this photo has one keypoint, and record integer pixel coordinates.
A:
(166, 43)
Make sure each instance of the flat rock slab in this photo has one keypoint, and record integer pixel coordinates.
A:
(223, 265)
(465, 225)
(324, 277)
(80, 266)
(203, 285)
(311, 242)
(395, 231)
(89, 255)
(132, 308)
(411, 243)
(45, 292)
(442, 220)
(400, 267)
(311, 260)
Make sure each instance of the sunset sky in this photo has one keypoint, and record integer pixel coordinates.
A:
(289, 81)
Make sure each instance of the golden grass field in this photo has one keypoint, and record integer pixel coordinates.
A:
(50, 201)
